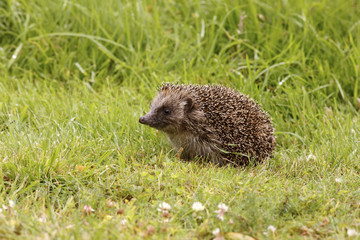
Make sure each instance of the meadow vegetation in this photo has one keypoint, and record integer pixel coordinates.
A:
(75, 76)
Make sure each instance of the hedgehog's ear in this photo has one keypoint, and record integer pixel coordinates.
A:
(189, 105)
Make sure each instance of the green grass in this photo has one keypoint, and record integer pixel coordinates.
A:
(75, 76)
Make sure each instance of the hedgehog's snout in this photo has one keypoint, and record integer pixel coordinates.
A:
(142, 120)
(153, 120)
(148, 119)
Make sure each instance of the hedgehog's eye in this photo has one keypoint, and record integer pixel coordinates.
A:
(166, 110)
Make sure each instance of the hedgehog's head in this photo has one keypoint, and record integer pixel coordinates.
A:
(170, 109)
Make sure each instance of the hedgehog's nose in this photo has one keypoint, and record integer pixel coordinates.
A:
(142, 120)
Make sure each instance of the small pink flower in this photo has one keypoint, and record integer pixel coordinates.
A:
(87, 210)
(109, 203)
(221, 211)
(165, 208)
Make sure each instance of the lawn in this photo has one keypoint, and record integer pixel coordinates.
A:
(75, 76)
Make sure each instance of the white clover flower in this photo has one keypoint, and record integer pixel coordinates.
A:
(271, 228)
(223, 207)
(4, 207)
(123, 222)
(338, 180)
(217, 234)
(216, 231)
(352, 232)
(42, 219)
(164, 207)
(11, 203)
(197, 206)
(166, 220)
(70, 226)
(310, 156)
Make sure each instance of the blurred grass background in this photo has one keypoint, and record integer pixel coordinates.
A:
(76, 75)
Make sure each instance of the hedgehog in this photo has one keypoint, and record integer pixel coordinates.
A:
(213, 123)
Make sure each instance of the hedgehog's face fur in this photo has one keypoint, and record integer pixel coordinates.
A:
(169, 111)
